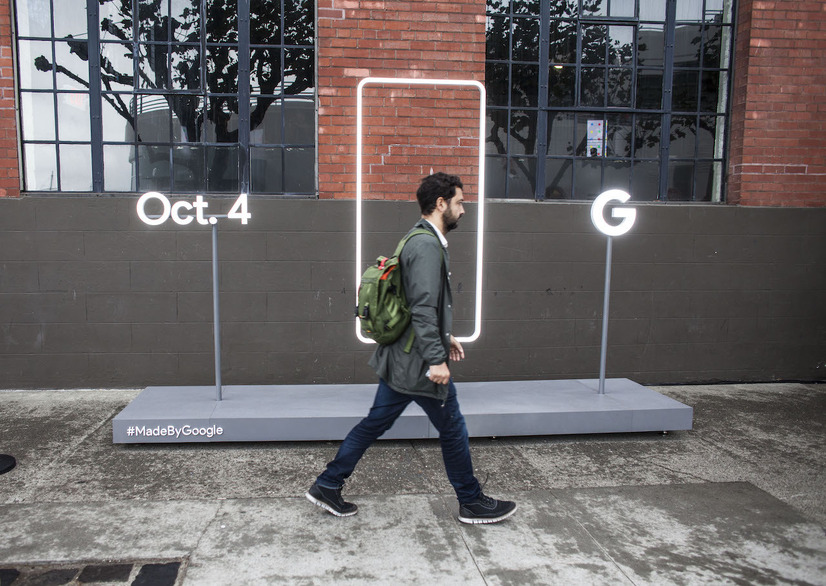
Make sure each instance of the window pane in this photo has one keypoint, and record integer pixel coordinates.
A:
(222, 70)
(647, 136)
(525, 44)
(495, 177)
(117, 118)
(496, 140)
(299, 121)
(708, 146)
(72, 55)
(34, 18)
(704, 181)
(587, 178)
(116, 67)
(682, 137)
(622, 8)
(523, 132)
(36, 65)
(558, 177)
(70, 18)
(592, 86)
(617, 175)
(187, 118)
(186, 21)
(299, 21)
(75, 167)
(620, 45)
(188, 165)
(582, 136)
(222, 21)
(151, 18)
(713, 91)
(115, 20)
(186, 68)
(619, 86)
(299, 170)
(561, 133)
(265, 70)
(118, 168)
(595, 8)
(594, 39)
(563, 42)
(645, 181)
(680, 180)
(265, 22)
(266, 170)
(525, 7)
(687, 46)
(618, 130)
(222, 166)
(153, 66)
(650, 45)
(73, 117)
(153, 119)
(222, 120)
(649, 89)
(497, 83)
(561, 86)
(299, 71)
(497, 37)
(686, 90)
(153, 168)
(37, 116)
(525, 86)
(565, 9)
(690, 10)
(41, 167)
(521, 177)
(652, 10)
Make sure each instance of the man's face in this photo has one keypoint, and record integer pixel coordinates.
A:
(455, 210)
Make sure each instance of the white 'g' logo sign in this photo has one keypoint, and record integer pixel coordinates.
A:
(627, 215)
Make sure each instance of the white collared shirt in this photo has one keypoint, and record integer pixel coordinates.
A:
(442, 239)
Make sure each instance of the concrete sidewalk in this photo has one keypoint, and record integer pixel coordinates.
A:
(741, 499)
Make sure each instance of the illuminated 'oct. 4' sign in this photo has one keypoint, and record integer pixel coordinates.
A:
(181, 211)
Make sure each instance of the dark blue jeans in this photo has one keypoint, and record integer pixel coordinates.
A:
(387, 406)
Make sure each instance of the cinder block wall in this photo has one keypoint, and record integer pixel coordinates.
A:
(91, 297)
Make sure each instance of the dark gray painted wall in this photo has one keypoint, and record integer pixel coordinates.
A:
(91, 297)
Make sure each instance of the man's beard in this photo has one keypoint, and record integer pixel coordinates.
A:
(449, 221)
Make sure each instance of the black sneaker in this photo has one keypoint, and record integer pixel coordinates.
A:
(486, 510)
(330, 500)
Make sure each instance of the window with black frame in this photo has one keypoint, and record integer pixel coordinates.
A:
(590, 95)
(180, 96)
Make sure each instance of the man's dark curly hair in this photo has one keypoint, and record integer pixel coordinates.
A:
(435, 186)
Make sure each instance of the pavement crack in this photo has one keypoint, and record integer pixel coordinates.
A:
(596, 542)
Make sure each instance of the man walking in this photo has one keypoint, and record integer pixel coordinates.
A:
(422, 374)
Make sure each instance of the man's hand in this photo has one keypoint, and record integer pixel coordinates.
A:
(457, 353)
(440, 374)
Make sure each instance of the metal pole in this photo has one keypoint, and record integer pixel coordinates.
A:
(216, 312)
(604, 346)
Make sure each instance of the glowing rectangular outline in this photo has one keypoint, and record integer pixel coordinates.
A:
(481, 185)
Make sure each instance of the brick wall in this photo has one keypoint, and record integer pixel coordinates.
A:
(408, 129)
(9, 165)
(778, 129)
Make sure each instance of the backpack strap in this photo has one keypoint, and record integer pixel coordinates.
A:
(409, 344)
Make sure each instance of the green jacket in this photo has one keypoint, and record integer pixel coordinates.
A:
(427, 287)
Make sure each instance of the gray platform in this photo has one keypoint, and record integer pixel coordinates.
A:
(328, 412)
